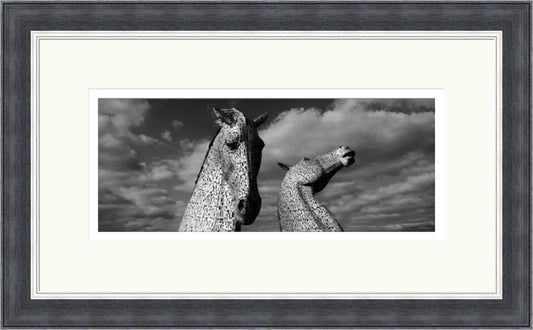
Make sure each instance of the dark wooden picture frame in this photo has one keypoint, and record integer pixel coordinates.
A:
(20, 18)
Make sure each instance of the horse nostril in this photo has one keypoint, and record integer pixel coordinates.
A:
(241, 205)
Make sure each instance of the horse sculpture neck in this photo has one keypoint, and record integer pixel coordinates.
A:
(212, 206)
(298, 210)
(303, 213)
(225, 195)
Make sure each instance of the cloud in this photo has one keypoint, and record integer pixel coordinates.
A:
(143, 140)
(121, 114)
(130, 192)
(166, 136)
(176, 123)
(159, 170)
(138, 209)
(375, 135)
(141, 200)
(150, 195)
(187, 144)
(407, 106)
(392, 195)
(116, 141)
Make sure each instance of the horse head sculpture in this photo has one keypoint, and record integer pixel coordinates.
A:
(225, 195)
(297, 208)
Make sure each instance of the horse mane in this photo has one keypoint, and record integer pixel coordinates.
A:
(207, 153)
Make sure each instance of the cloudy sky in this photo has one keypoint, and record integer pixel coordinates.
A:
(150, 152)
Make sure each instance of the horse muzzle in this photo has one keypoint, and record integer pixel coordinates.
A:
(347, 156)
(248, 209)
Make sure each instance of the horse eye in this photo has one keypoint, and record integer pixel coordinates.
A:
(233, 145)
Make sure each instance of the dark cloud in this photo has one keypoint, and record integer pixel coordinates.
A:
(406, 106)
(138, 209)
(130, 195)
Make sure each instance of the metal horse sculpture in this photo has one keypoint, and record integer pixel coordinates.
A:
(297, 208)
(225, 195)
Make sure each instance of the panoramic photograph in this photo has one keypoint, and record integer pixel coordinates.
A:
(266, 165)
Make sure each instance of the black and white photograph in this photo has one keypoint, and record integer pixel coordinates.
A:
(266, 165)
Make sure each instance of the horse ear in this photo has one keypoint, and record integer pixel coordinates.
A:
(283, 166)
(260, 120)
(223, 116)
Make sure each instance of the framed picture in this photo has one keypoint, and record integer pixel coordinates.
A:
(266, 164)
